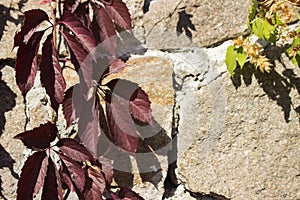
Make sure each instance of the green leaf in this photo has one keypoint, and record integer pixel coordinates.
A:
(264, 30)
(295, 59)
(231, 60)
(276, 20)
(252, 12)
(241, 56)
(234, 55)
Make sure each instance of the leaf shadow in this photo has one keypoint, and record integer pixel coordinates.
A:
(6, 16)
(277, 86)
(7, 103)
(146, 6)
(152, 140)
(185, 24)
(7, 96)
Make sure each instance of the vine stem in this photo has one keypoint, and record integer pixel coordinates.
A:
(53, 5)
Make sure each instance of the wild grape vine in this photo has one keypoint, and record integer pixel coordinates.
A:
(89, 29)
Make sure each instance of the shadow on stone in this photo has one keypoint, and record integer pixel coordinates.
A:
(5, 16)
(7, 102)
(185, 24)
(7, 96)
(276, 86)
(6, 161)
(146, 5)
(148, 165)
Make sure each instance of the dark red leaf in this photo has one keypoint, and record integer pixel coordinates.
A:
(75, 173)
(140, 106)
(107, 169)
(127, 194)
(96, 185)
(52, 186)
(84, 35)
(77, 51)
(51, 75)
(122, 128)
(71, 105)
(82, 61)
(104, 30)
(32, 169)
(107, 2)
(33, 18)
(88, 124)
(83, 14)
(26, 63)
(138, 100)
(74, 150)
(71, 5)
(116, 66)
(40, 137)
(67, 106)
(118, 11)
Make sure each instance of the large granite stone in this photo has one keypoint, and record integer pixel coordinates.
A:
(245, 140)
(181, 23)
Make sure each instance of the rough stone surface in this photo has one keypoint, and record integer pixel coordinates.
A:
(254, 152)
(12, 122)
(182, 23)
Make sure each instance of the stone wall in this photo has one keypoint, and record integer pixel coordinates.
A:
(214, 137)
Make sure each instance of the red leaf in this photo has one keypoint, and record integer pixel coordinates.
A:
(77, 51)
(71, 105)
(75, 173)
(82, 61)
(51, 75)
(140, 106)
(80, 31)
(40, 137)
(108, 2)
(107, 169)
(88, 124)
(127, 194)
(122, 128)
(74, 150)
(83, 14)
(26, 63)
(52, 185)
(71, 5)
(33, 18)
(67, 106)
(31, 170)
(95, 186)
(104, 30)
(118, 11)
(139, 103)
(116, 66)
